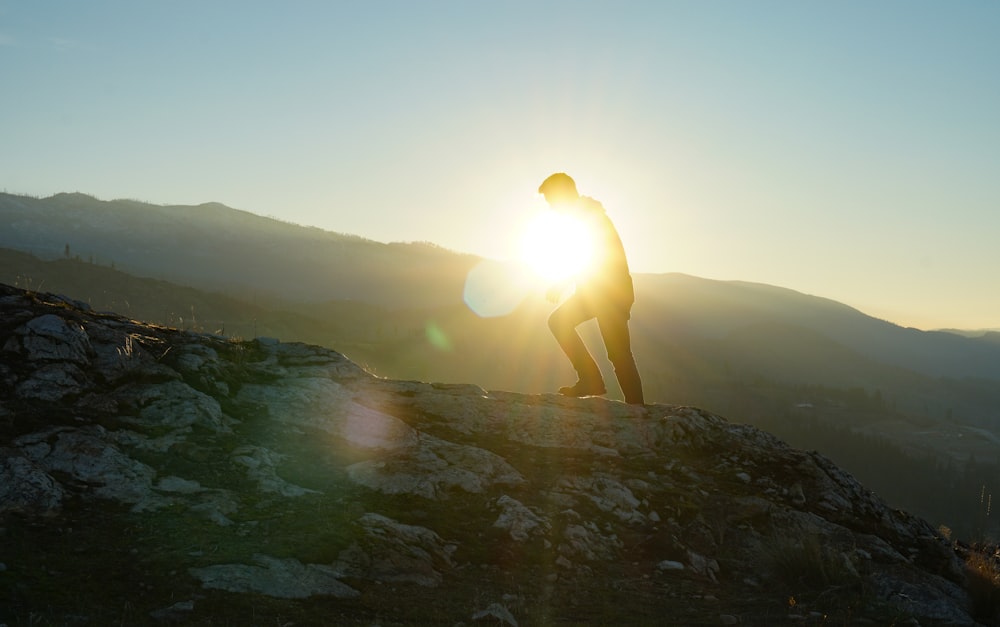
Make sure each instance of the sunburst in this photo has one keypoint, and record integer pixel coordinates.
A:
(556, 246)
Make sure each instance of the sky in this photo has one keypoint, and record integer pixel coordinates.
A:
(846, 149)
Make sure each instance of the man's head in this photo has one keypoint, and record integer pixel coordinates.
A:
(559, 189)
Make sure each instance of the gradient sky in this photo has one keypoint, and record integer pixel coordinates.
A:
(846, 149)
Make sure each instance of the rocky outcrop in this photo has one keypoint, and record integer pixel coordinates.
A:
(199, 473)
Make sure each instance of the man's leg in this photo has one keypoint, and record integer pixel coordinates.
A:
(563, 323)
(614, 330)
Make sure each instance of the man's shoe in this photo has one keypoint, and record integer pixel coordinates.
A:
(583, 388)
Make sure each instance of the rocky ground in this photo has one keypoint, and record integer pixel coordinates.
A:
(154, 476)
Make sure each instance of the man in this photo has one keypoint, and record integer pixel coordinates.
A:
(603, 291)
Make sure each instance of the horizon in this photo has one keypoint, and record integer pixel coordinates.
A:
(515, 288)
(847, 151)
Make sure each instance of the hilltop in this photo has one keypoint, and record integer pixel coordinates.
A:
(212, 481)
(911, 413)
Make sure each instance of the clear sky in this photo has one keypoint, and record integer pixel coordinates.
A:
(846, 149)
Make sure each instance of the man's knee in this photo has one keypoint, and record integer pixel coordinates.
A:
(562, 321)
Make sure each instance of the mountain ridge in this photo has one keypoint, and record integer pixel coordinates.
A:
(306, 264)
(204, 247)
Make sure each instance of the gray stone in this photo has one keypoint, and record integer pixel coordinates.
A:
(495, 613)
(194, 358)
(87, 456)
(586, 542)
(275, 577)
(666, 565)
(392, 551)
(26, 488)
(174, 405)
(518, 520)
(176, 613)
(327, 405)
(261, 465)
(51, 338)
(215, 506)
(52, 382)
(607, 493)
(432, 468)
(176, 484)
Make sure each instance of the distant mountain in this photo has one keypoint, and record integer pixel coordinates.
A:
(986, 335)
(211, 246)
(718, 308)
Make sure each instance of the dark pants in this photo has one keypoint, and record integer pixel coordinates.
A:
(612, 319)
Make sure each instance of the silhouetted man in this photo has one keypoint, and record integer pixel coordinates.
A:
(603, 291)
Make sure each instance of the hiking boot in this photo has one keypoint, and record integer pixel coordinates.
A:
(583, 388)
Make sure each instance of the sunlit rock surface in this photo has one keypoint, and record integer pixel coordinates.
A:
(205, 476)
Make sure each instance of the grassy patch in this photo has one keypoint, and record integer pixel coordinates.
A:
(983, 584)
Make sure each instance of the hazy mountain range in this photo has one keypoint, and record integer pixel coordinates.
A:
(398, 309)
(213, 247)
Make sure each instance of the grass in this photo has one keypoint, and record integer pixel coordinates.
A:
(813, 580)
(806, 563)
(983, 582)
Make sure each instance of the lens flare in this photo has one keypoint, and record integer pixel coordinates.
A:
(495, 288)
(437, 336)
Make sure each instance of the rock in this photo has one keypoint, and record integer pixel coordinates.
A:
(495, 613)
(25, 488)
(52, 382)
(588, 543)
(177, 613)
(666, 565)
(518, 520)
(261, 465)
(942, 602)
(196, 358)
(215, 505)
(173, 405)
(87, 456)
(432, 468)
(706, 567)
(608, 494)
(392, 551)
(176, 484)
(324, 404)
(274, 577)
(51, 338)
(175, 439)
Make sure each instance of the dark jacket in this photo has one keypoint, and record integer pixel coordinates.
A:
(606, 281)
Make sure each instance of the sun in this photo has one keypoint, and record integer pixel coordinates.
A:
(556, 246)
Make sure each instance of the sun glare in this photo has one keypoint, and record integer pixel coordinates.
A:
(556, 246)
